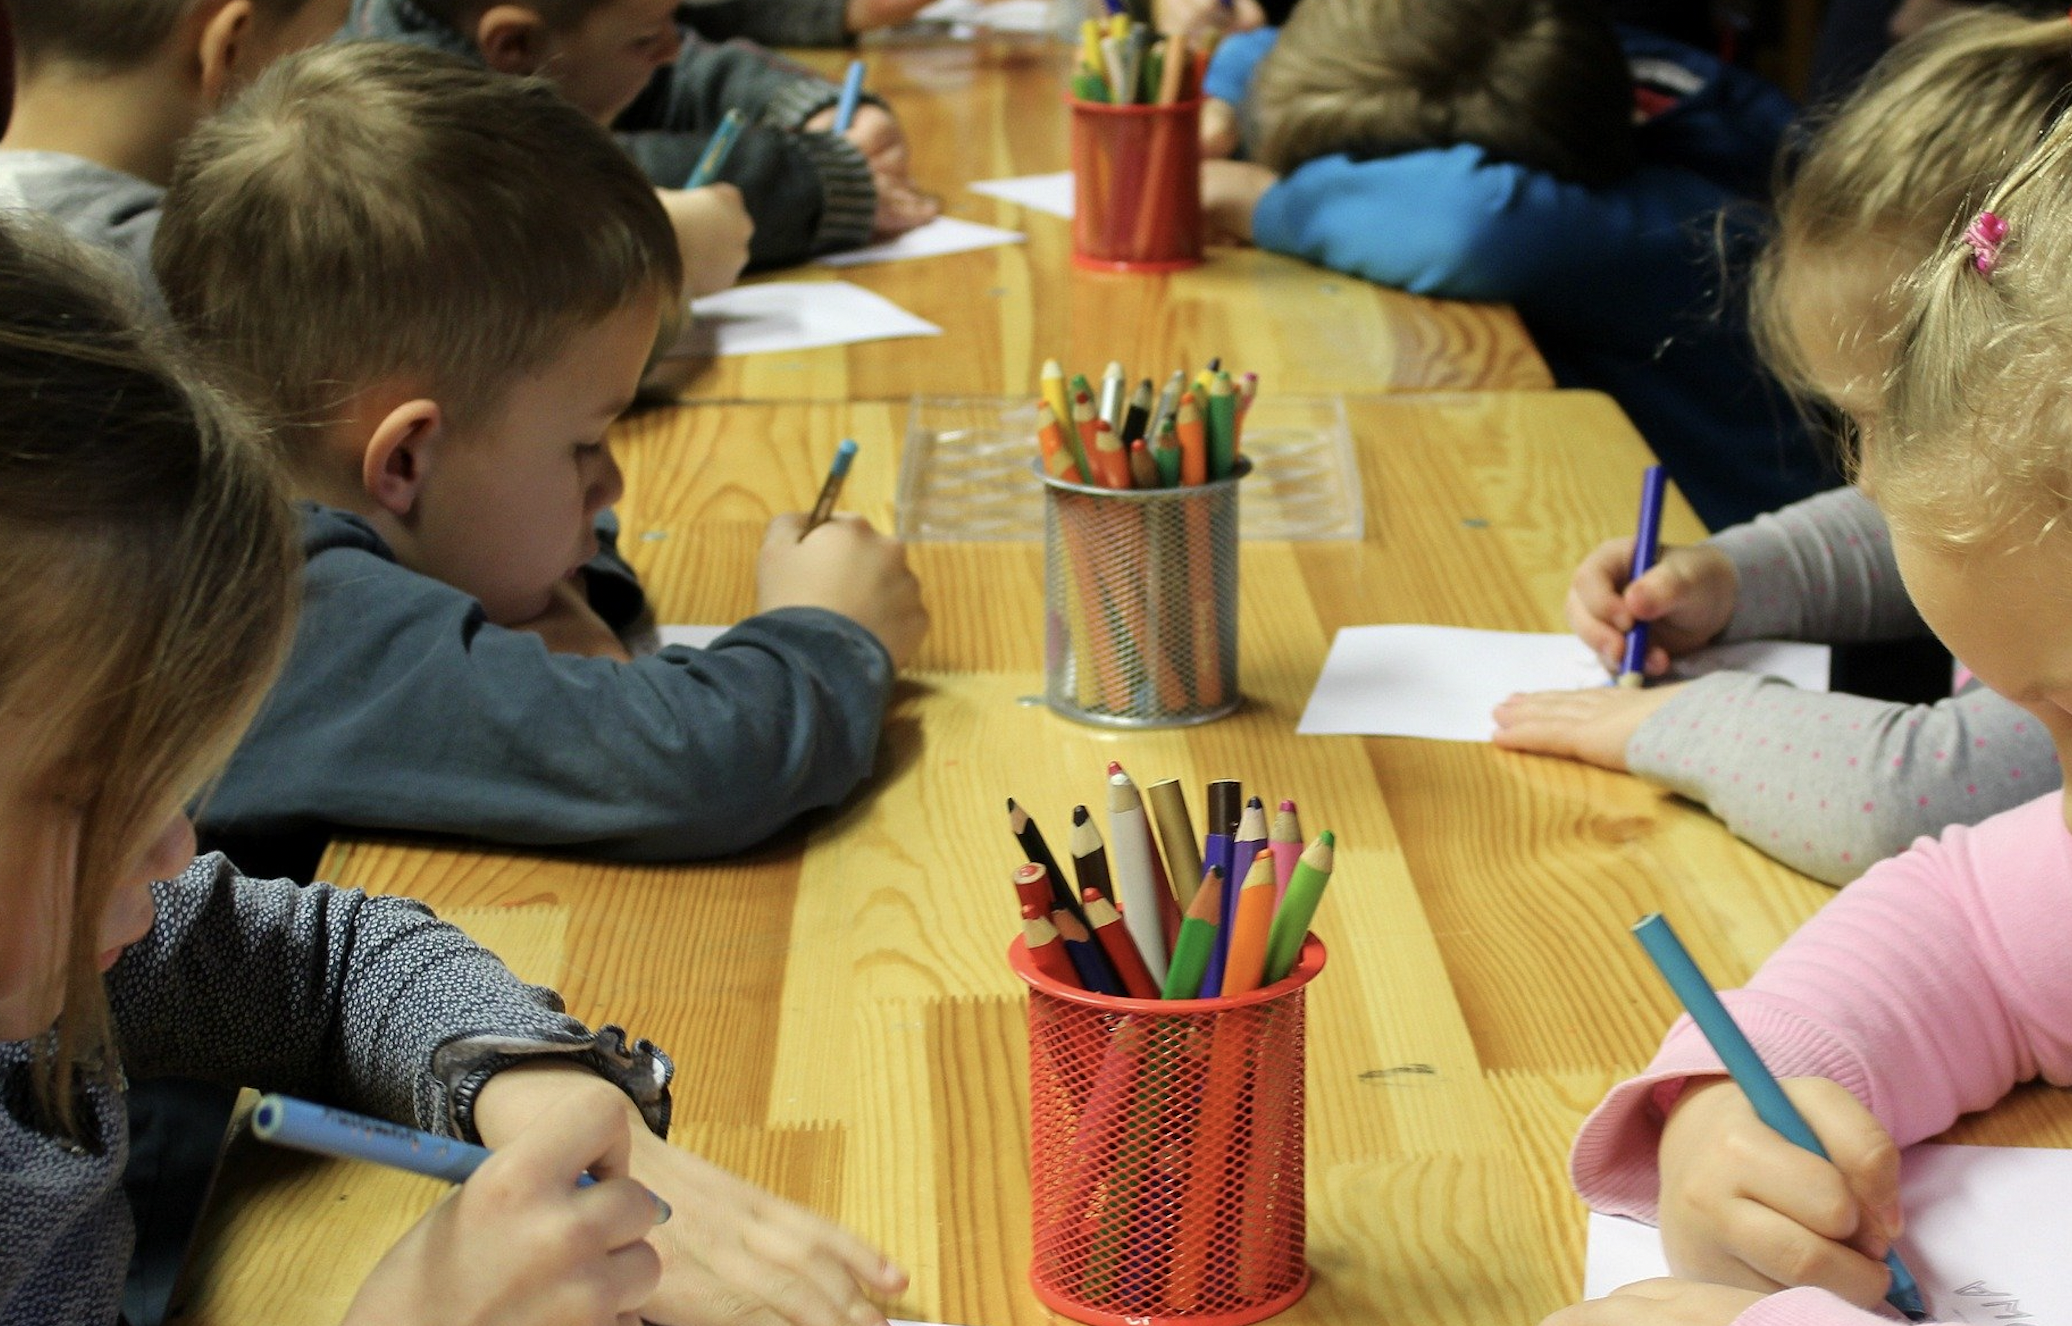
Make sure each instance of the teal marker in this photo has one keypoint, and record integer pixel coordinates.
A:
(717, 149)
(852, 90)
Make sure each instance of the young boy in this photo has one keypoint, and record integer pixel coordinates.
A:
(110, 87)
(796, 22)
(441, 363)
(632, 66)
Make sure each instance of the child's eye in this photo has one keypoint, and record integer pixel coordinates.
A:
(589, 450)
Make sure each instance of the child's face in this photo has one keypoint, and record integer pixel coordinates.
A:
(507, 505)
(602, 63)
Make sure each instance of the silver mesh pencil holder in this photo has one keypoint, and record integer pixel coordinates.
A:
(1140, 602)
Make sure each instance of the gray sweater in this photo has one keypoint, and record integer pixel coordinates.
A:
(366, 1003)
(771, 22)
(103, 207)
(402, 708)
(808, 193)
(1830, 783)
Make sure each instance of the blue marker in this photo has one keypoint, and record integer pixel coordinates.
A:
(831, 491)
(717, 149)
(1647, 546)
(286, 1121)
(852, 88)
(1772, 1106)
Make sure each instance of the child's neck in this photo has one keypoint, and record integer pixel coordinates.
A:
(132, 121)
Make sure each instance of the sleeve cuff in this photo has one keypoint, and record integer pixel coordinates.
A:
(638, 1068)
(848, 194)
(1808, 1306)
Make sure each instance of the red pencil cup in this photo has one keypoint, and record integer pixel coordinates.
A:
(1136, 186)
(1165, 1170)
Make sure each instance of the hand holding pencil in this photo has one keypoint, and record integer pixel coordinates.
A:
(846, 567)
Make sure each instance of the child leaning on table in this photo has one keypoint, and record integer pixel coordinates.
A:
(440, 364)
(1828, 783)
(632, 66)
(150, 578)
(1938, 981)
(1488, 149)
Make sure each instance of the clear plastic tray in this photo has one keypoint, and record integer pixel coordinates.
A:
(965, 475)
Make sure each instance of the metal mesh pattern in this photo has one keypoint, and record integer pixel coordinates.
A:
(1140, 602)
(1166, 1169)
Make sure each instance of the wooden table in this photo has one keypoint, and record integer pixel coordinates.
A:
(985, 112)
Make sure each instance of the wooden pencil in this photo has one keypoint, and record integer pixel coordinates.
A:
(1284, 840)
(1197, 937)
(1035, 849)
(1247, 960)
(1057, 453)
(1046, 950)
(1089, 855)
(1087, 959)
(1114, 937)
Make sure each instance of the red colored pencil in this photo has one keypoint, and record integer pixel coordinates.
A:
(1046, 950)
(1117, 944)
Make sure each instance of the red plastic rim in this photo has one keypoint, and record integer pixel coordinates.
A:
(1307, 964)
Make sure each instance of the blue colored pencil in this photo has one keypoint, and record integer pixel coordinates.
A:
(1772, 1106)
(306, 1126)
(1647, 546)
(852, 89)
(717, 149)
(831, 490)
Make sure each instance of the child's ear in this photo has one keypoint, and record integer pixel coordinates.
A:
(224, 35)
(512, 39)
(400, 454)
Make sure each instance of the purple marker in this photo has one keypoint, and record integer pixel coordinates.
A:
(1647, 546)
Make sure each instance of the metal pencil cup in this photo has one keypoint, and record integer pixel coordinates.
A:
(1140, 602)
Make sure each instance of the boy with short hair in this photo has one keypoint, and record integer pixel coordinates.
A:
(441, 362)
(110, 87)
(637, 68)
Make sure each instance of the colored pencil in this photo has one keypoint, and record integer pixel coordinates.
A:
(1032, 886)
(1143, 469)
(1086, 955)
(718, 148)
(1246, 844)
(1176, 834)
(1284, 840)
(1749, 1072)
(1113, 933)
(1247, 960)
(1057, 454)
(1114, 398)
(1222, 418)
(1089, 855)
(1134, 879)
(1036, 849)
(1136, 416)
(852, 92)
(1194, 440)
(1046, 950)
(1168, 402)
(1111, 462)
(1084, 417)
(1305, 891)
(1647, 546)
(831, 490)
(1058, 397)
(1197, 938)
(1165, 453)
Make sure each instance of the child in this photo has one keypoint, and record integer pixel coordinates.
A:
(124, 483)
(630, 65)
(1938, 981)
(797, 22)
(1828, 783)
(110, 88)
(1486, 149)
(454, 468)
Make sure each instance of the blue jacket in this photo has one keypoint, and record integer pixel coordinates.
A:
(1633, 289)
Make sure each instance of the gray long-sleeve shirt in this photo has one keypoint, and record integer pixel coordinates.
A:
(1831, 783)
(366, 1003)
(403, 709)
(103, 207)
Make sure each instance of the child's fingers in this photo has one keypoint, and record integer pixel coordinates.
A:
(1777, 1251)
(1864, 1154)
(631, 1275)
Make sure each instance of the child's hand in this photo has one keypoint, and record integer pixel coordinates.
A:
(519, 1243)
(1197, 16)
(712, 230)
(901, 207)
(1220, 131)
(1662, 1302)
(863, 15)
(1687, 599)
(1742, 1206)
(1593, 726)
(873, 131)
(571, 626)
(847, 567)
(1230, 190)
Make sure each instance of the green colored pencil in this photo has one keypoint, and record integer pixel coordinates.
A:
(1299, 907)
(1222, 422)
(1196, 938)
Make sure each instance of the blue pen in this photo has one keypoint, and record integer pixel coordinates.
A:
(1647, 545)
(831, 491)
(1772, 1106)
(286, 1121)
(852, 88)
(717, 149)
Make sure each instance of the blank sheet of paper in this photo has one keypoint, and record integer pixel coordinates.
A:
(1041, 193)
(1987, 1230)
(794, 315)
(945, 234)
(1441, 682)
(1029, 16)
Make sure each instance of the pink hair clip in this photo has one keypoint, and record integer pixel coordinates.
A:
(1983, 237)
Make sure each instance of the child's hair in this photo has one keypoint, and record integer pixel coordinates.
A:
(374, 209)
(1543, 83)
(1911, 153)
(108, 35)
(147, 577)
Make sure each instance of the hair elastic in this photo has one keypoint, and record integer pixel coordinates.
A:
(1983, 237)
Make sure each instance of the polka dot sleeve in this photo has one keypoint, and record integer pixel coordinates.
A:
(1821, 569)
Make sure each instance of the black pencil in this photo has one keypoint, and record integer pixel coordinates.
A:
(1035, 849)
(1090, 855)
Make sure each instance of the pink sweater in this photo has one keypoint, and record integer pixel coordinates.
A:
(1929, 988)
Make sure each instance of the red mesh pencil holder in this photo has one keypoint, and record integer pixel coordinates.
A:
(1136, 186)
(1165, 1170)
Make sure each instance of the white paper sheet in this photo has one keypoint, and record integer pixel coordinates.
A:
(1033, 16)
(1987, 1230)
(1041, 193)
(794, 315)
(945, 234)
(1442, 682)
(696, 637)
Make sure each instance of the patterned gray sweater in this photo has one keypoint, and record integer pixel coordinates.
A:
(1830, 783)
(366, 1003)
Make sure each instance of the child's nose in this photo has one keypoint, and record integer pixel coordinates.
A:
(667, 52)
(609, 485)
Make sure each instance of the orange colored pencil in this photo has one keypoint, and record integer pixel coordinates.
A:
(1111, 463)
(1143, 469)
(1194, 440)
(1083, 416)
(1241, 970)
(1117, 944)
(1057, 455)
(1045, 949)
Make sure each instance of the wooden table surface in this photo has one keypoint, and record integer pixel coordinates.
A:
(980, 112)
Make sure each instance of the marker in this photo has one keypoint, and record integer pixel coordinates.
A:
(1772, 1106)
(1646, 548)
(1135, 879)
(1226, 806)
(852, 89)
(1176, 832)
(717, 150)
(306, 1126)
(831, 491)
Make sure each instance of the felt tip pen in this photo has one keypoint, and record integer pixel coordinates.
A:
(306, 1126)
(1647, 543)
(852, 89)
(831, 491)
(1749, 1072)
(717, 149)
